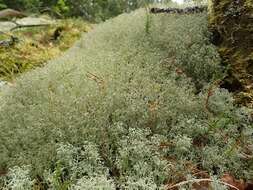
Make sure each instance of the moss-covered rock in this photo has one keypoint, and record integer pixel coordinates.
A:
(232, 25)
(37, 45)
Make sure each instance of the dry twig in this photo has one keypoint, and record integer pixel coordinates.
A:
(198, 181)
(100, 81)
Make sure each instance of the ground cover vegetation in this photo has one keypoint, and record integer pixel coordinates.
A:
(133, 105)
(35, 46)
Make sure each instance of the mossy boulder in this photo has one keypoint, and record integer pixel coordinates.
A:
(8, 14)
(232, 25)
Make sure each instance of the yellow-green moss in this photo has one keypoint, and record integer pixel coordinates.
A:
(37, 47)
(232, 21)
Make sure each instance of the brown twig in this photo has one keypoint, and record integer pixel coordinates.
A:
(29, 26)
(97, 79)
(198, 181)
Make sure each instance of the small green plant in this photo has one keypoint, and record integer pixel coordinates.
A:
(148, 20)
(59, 181)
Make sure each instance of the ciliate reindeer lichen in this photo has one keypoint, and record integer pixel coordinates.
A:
(125, 109)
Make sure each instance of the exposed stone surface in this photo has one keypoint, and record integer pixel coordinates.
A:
(6, 26)
(34, 21)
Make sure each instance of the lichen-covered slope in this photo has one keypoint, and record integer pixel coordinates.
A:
(120, 110)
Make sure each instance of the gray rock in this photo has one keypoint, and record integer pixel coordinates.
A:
(8, 14)
(34, 21)
(6, 26)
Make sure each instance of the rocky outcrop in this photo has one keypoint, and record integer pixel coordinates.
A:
(8, 14)
(24, 23)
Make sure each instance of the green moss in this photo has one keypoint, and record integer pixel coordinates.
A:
(37, 47)
(232, 21)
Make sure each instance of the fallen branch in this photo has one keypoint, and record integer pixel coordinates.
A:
(201, 180)
(187, 10)
(29, 26)
(100, 81)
